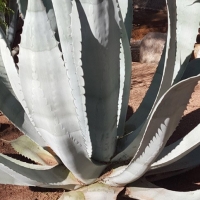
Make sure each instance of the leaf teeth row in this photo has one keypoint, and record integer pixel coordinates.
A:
(79, 91)
(122, 62)
(29, 149)
(72, 57)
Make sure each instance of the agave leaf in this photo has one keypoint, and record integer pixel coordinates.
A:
(28, 148)
(163, 76)
(126, 7)
(51, 16)
(184, 49)
(48, 94)
(10, 67)
(73, 195)
(138, 118)
(178, 149)
(12, 73)
(161, 176)
(145, 190)
(138, 165)
(168, 72)
(159, 111)
(24, 164)
(100, 191)
(38, 175)
(3, 74)
(7, 179)
(69, 26)
(7, 176)
(192, 69)
(161, 125)
(9, 105)
(126, 140)
(125, 74)
(189, 161)
(102, 73)
(50, 13)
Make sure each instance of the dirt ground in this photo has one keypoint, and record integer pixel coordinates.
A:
(145, 21)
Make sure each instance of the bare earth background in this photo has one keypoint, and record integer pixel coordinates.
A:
(144, 21)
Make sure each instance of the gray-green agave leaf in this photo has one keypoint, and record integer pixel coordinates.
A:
(144, 190)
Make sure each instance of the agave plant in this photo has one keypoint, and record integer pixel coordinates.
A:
(70, 93)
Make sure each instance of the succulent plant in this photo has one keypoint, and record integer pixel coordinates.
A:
(69, 96)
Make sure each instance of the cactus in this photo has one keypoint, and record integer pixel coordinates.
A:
(70, 90)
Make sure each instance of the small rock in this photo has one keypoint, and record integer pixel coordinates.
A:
(151, 47)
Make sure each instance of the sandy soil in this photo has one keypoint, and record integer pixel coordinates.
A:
(141, 79)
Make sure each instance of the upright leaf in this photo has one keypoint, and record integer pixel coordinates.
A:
(125, 68)
(99, 31)
(9, 104)
(126, 7)
(185, 39)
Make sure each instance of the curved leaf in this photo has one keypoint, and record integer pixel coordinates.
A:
(162, 79)
(189, 161)
(26, 147)
(178, 149)
(144, 190)
(72, 195)
(126, 7)
(125, 72)
(193, 69)
(37, 175)
(100, 191)
(23, 164)
(139, 117)
(7, 177)
(10, 68)
(161, 125)
(96, 191)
